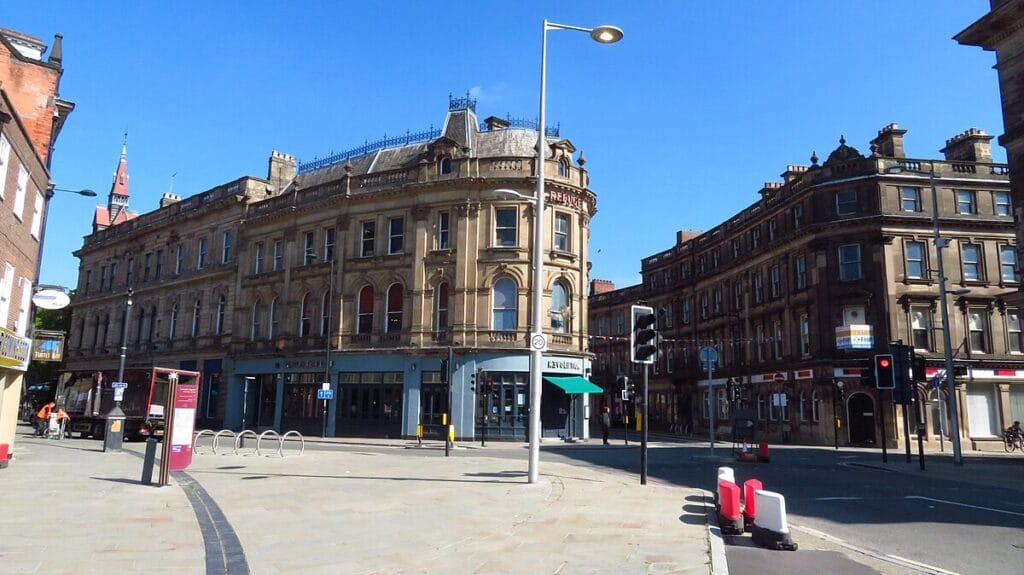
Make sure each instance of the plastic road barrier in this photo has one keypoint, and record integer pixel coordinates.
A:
(730, 518)
(750, 486)
(771, 529)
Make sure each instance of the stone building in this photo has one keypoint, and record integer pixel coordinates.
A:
(1002, 31)
(31, 117)
(362, 271)
(834, 250)
(180, 262)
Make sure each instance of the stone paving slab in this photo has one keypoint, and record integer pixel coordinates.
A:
(364, 512)
(69, 508)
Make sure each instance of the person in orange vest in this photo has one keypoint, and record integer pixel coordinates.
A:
(63, 417)
(43, 419)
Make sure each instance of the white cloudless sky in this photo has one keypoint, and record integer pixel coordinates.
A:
(681, 122)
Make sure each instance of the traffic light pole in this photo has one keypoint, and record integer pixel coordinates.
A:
(643, 431)
(881, 402)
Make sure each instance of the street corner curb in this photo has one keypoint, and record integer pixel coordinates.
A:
(716, 545)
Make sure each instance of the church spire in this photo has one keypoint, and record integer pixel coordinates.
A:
(118, 199)
(116, 210)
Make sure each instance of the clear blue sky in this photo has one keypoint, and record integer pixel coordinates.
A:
(681, 123)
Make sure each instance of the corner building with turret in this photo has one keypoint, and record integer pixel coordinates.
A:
(359, 273)
(799, 291)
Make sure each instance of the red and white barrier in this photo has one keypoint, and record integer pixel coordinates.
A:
(762, 453)
(750, 486)
(730, 517)
(723, 474)
(771, 529)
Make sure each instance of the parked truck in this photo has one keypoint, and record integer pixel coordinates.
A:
(88, 397)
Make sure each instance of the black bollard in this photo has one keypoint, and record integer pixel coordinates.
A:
(148, 461)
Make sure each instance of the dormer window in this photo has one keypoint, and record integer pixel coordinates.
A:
(563, 168)
(446, 166)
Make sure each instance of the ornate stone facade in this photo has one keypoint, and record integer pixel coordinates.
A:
(365, 270)
(847, 242)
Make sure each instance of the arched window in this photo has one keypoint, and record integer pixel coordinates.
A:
(504, 305)
(394, 322)
(275, 316)
(441, 307)
(152, 325)
(364, 321)
(815, 415)
(172, 328)
(563, 168)
(218, 327)
(761, 406)
(325, 314)
(305, 314)
(256, 324)
(559, 308)
(805, 410)
(196, 311)
(446, 166)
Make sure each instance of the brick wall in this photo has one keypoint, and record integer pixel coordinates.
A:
(32, 87)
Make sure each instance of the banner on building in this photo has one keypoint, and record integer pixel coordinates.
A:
(854, 336)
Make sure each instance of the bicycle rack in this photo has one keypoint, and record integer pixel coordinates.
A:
(216, 438)
(302, 442)
(195, 440)
(264, 434)
(238, 438)
(241, 437)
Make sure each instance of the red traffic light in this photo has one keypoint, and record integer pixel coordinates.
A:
(883, 362)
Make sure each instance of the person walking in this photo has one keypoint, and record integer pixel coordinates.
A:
(606, 423)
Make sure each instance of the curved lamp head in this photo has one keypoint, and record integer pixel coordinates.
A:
(606, 34)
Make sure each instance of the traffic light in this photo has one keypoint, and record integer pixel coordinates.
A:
(643, 335)
(918, 367)
(885, 372)
(444, 371)
(472, 381)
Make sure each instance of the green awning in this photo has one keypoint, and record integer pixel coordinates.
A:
(574, 384)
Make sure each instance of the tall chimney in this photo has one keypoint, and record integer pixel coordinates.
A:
(970, 146)
(889, 142)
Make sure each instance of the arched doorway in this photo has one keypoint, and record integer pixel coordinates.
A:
(861, 410)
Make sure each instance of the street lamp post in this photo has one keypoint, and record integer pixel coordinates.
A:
(114, 431)
(940, 243)
(604, 35)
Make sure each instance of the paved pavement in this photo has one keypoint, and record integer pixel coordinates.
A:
(382, 508)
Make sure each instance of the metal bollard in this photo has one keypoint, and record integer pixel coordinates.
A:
(920, 444)
(148, 461)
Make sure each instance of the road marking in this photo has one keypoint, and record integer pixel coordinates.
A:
(965, 505)
(931, 568)
(894, 559)
(838, 498)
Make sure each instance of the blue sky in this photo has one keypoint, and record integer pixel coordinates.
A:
(681, 123)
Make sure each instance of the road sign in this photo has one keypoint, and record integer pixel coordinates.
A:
(119, 385)
(779, 377)
(325, 394)
(708, 354)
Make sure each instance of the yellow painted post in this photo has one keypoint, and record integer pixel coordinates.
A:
(419, 434)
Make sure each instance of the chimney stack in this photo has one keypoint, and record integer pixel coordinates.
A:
(889, 142)
(282, 170)
(168, 199)
(598, 287)
(970, 146)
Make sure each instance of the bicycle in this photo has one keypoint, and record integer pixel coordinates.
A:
(1012, 441)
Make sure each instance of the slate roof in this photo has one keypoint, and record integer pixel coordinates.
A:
(498, 143)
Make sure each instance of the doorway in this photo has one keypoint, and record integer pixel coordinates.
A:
(861, 415)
